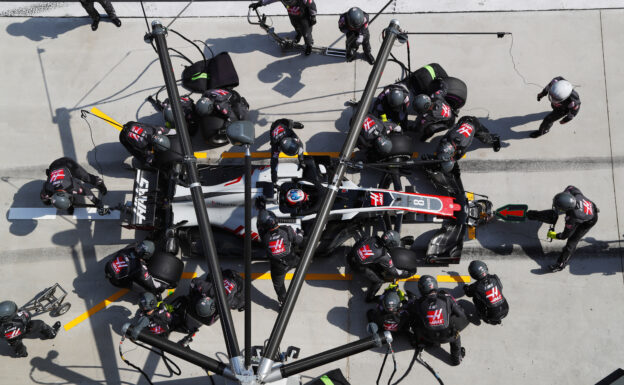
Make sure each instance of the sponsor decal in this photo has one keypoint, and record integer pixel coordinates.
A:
(587, 207)
(229, 286)
(135, 133)
(446, 111)
(377, 199)
(140, 198)
(368, 124)
(119, 263)
(277, 246)
(57, 175)
(465, 129)
(493, 295)
(435, 317)
(365, 252)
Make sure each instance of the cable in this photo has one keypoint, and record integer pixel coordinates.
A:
(426, 365)
(149, 33)
(97, 162)
(168, 362)
(409, 368)
(514, 65)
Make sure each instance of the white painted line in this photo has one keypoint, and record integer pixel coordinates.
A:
(86, 213)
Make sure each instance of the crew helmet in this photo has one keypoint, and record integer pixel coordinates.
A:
(427, 284)
(294, 196)
(290, 146)
(267, 219)
(422, 103)
(161, 143)
(62, 200)
(289, 3)
(560, 91)
(564, 201)
(391, 301)
(8, 309)
(205, 307)
(147, 301)
(355, 18)
(445, 151)
(383, 144)
(146, 249)
(168, 112)
(391, 238)
(395, 98)
(204, 106)
(478, 269)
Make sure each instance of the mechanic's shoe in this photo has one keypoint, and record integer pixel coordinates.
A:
(56, 326)
(22, 352)
(186, 341)
(297, 38)
(94, 24)
(496, 145)
(350, 58)
(369, 58)
(101, 186)
(308, 50)
(70, 210)
(116, 21)
(538, 133)
(555, 267)
(242, 308)
(457, 356)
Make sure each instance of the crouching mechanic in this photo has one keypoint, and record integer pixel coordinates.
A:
(437, 318)
(434, 115)
(143, 141)
(128, 266)
(391, 312)
(371, 256)
(564, 101)
(487, 294)
(280, 243)
(581, 215)
(284, 139)
(354, 23)
(66, 179)
(302, 14)
(202, 296)
(393, 104)
(17, 324)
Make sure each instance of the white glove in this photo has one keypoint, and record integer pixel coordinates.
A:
(360, 39)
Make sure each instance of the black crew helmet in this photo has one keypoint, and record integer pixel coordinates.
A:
(205, 307)
(147, 301)
(391, 238)
(168, 112)
(146, 249)
(478, 269)
(289, 146)
(289, 3)
(564, 201)
(445, 151)
(355, 18)
(422, 103)
(391, 301)
(8, 309)
(395, 98)
(267, 220)
(427, 285)
(62, 200)
(161, 143)
(204, 106)
(383, 144)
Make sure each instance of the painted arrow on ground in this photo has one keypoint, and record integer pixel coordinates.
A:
(512, 213)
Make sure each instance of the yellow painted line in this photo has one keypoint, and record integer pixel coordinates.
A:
(96, 308)
(96, 111)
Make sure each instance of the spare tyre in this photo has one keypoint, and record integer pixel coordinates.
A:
(166, 267)
(419, 81)
(403, 258)
(456, 93)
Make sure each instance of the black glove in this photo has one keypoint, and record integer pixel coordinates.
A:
(496, 144)
(539, 97)
(312, 20)
(255, 6)
(103, 210)
(297, 125)
(21, 351)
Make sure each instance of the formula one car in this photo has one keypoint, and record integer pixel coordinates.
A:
(166, 204)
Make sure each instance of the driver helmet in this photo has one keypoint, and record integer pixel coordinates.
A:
(205, 307)
(427, 285)
(147, 301)
(395, 98)
(296, 196)
(391, 301)
(391, 238)
(8, 309)
(204, 106)
(145, 249)
(161, 143)
(560, 91)
(355, 18)
(289, 146)
(563, 202)
(422, 103)
(478, 269)
(62, 200)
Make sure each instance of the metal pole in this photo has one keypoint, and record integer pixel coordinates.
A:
(247, 257)
(277, 333)
(159, 34)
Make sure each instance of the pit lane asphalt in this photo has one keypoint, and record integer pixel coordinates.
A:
(563, 327)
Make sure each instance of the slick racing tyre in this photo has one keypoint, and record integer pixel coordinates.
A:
(420, 80)
(166, 267)
(404, 259)
(457, 92)
(210, 127)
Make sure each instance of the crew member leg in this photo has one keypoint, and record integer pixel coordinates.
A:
(110, 11)
(18, 348)
(40, 329)
(485, 137)
(367, 48)
(351, 45)
(548, 121)
(456, 350)
(375, 284)
(80, 173)
(278, 274)
(303, 28)
(570, 246)
(88, 6)
(546, 216)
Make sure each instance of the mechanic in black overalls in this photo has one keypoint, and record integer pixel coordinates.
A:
(17, 324)
(280, 243)
(434, 115)
(284, 139)
(188, 109)
(354, 23)
(154, 316)
(95, 15)
(201, 290)
(564, 101)
(374, 128)
(302, 14)
(391, 312)
(437, 318)
(581, 215)
(224, 103)
(66, 178)
(370, 256)
(487, 294)
(393, 104)
(144, 140)
(129, 266)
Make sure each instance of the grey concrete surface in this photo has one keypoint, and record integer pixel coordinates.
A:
(562, 328)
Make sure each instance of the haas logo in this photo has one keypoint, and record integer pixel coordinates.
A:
(446, 111)
(494, 295)
(229, 286)
(377, 199)
(465, 129)
(587, 207)
(135, 133)
(365, 252)
(277, 246)
(435, 317)
(119, 263)
(368, 124)
(57, 175)
(278, 131)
